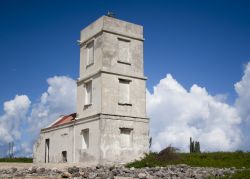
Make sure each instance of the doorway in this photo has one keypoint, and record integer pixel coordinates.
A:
(64, 156)
(46, 150)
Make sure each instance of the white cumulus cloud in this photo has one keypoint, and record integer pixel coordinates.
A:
(59, 99)
(15, 111)
(243, 90)
(242, 104)
(21, 121)
(177, 114)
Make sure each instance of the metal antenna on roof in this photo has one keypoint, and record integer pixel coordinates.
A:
(111, 14)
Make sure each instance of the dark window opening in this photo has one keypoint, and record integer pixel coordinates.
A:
(64, 156)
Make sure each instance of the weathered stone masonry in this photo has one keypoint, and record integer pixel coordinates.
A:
(110, 125)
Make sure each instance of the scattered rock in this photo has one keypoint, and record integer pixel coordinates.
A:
(118, 172)
(142, 175)
(76, 175)
(73, 169)
(92, 175)
(66, 175)
(40, 170)
(13, 170)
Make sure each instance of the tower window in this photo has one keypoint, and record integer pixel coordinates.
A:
(90, 53)
(124, 92)
(85, 138)
(88, 93)
(124, 53)
(126, 137)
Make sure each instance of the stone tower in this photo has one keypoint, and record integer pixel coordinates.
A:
(111, 91)
(110, 125)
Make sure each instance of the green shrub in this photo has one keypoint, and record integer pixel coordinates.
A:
(168, 154)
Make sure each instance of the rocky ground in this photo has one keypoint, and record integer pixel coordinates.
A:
(105, 172)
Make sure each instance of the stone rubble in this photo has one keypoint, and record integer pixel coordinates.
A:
(180, 171)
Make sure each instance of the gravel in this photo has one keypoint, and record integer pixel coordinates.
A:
(181, 171)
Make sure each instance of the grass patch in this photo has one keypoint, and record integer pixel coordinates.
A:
(245, 174)
(218, 159)
(214, 159)
(21, 160)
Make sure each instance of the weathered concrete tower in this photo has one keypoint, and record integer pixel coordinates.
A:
(110, 125)
(111, 91)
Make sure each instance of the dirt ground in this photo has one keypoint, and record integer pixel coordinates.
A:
(6, 165)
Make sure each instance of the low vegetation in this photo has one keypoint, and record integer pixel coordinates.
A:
(170, 156)
(212, 159)
(244, 174)
(19, 160)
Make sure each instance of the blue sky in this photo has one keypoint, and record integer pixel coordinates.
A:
(198, 42)
(204, 42)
